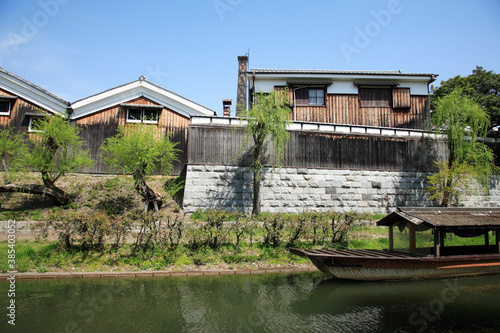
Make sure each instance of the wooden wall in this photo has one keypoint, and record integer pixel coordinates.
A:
(18, 119)
(222, 146)
(96, 127)
(345, 109)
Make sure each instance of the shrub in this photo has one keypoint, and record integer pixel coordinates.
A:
(273, 225)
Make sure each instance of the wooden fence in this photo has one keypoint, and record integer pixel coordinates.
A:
(222, 145)
(95, 135)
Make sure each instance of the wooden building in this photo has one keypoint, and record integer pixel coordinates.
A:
(99, 115)
(22, 101)
(139, 101)
(367, 98)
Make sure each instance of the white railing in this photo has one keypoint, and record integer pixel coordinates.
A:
(330, 128)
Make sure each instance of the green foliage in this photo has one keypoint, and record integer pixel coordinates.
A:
(174, 186)
(274, 225)
(449, 184)
(56, 149)
(463, 121)
(481, 86)
(12, 152)
(266, 121)
(159, 231)
(139, 150)
(175, 189)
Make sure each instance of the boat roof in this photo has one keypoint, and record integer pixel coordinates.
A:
(444, 217)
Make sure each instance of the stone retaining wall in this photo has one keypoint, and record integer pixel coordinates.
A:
(296, 190)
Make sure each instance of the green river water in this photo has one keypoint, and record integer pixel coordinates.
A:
(301, 302)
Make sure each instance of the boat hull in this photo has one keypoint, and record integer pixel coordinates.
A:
(373, 270)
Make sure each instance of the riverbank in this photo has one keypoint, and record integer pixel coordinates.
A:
(106, 230)
(155, 274)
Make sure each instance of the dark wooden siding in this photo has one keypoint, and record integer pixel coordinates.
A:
(401, 98)
(99, 126)
(222, 146)
(18, 120)
(411, 111)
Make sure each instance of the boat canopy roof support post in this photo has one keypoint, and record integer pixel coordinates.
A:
(487, 238)
(437, 246)
(391, 238)
(413, 240)
(497, 239)
(442, 236)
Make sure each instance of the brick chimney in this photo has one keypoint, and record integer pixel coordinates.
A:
(226, 106)
(241, 96)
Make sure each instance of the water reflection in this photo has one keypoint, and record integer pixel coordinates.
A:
(306, 302)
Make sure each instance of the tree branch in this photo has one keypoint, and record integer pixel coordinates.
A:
(59, 198)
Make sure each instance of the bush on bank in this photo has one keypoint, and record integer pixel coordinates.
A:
(137, 241)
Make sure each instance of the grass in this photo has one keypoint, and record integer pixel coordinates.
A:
(43, 256)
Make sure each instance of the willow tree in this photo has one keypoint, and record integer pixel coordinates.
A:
(140, 150)
(465, 124)
(55, 149)
(266, 122)
(12, 151)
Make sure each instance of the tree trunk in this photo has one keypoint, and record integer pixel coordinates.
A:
(256, 194)
(147, 194)
(54, 193)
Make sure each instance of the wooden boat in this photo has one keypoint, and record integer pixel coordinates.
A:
(437, 261)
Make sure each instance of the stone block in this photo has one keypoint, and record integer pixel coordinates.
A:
(331, 190)
(325, 184)
(314, 184)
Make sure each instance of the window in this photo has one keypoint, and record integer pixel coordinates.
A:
(32, 124)
(148, 116)
(375, 97)
(310, 96)
(4, 107)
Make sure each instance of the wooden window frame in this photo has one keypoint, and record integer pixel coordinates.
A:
(142, 120)
(306, 96)
(9, 107)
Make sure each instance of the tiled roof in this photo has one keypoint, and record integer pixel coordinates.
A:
(445, 217)
(334, 72)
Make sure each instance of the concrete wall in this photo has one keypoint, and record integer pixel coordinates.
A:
(301, 189)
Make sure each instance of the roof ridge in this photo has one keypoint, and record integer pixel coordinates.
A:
(334, 71)
(34, 86)
(145, 80)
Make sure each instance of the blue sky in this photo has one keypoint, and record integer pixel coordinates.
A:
(76, 48)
